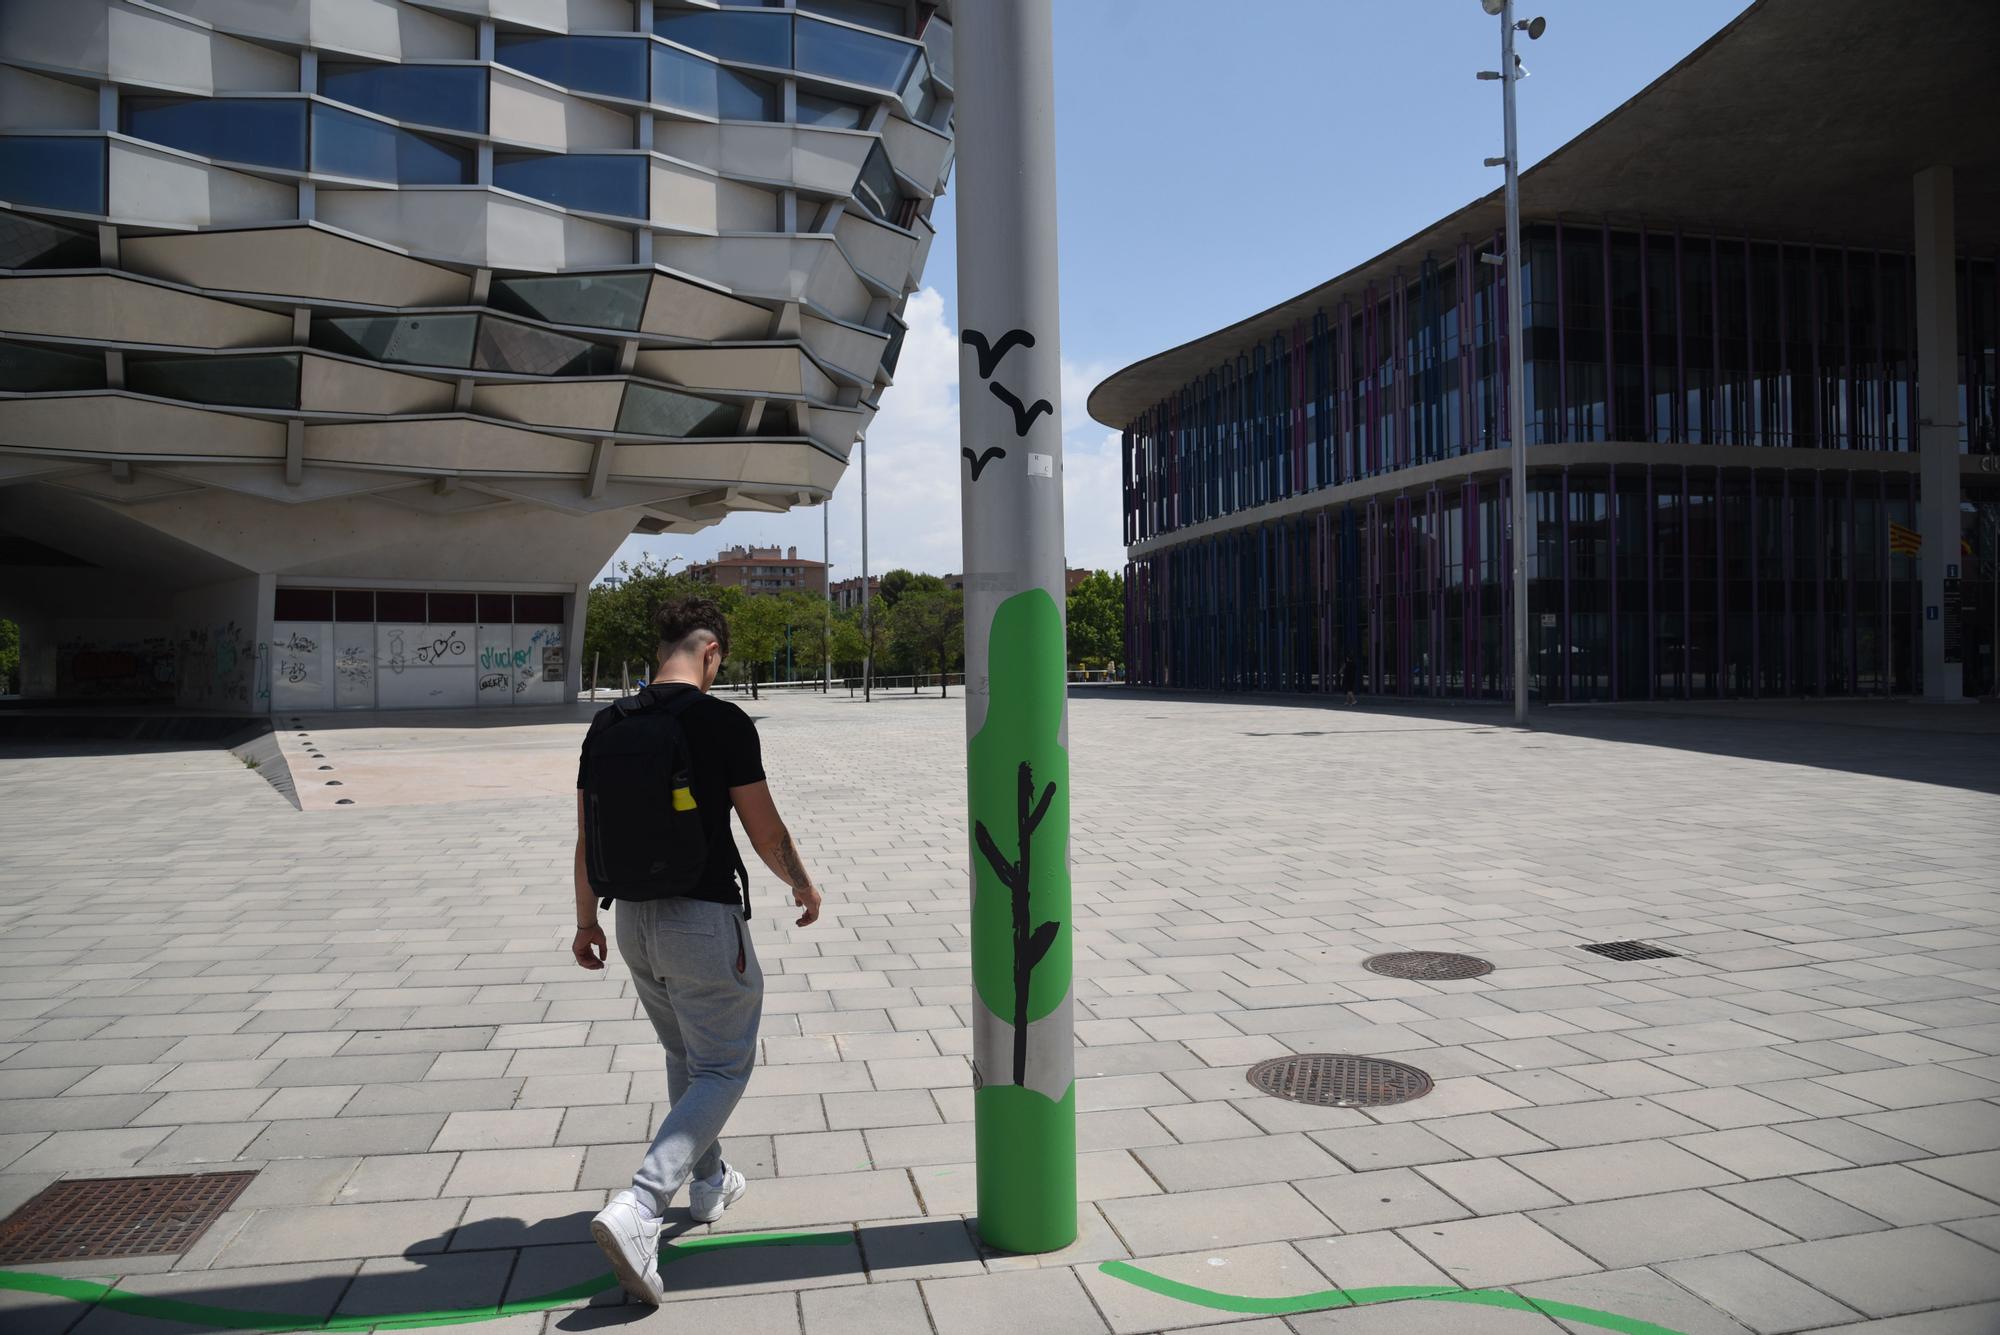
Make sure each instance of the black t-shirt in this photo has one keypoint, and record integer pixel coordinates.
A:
(727, 755)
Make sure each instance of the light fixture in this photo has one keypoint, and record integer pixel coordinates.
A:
(1493, 7)
(1534, 27)
(1488, 75)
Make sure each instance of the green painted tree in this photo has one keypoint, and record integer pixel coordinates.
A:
(1097, 621)
(927, 626)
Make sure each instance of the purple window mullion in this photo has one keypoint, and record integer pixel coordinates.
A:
(1646, 339)
(1785, 532)
(1721, 594)
(1853, 582)
(1819, 580)
(1783, 407)
(1849, 429)
(1652, 619)
(1679, 429)
(1756, 602)
(1465, 347)
(1560, 417)
(1611, 516)
(1881, 364)
(1687, 593)
(1569, 680)
(1812, 344)
(1437, 589)
(1753, 399)
(1716, 434)
(1610, 371)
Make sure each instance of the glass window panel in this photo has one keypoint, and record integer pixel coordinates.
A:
(831, 112)
(428, 340)
(663, 412)
(686, 81)
(758, 39)
(302, 605)
(265, 131)
(398, 605)
(453, 96)
(353, 605)
(348, 145)
(28, 369)
(506, 346)
(857, 57)
(30, 243)
(918, 99)
(495, 609)
(609, 300)
(593, 182)
(877, 188)
(614, 65)
(868, 13)
(538, 608)
(453, 606)
(250, 382)
(937, 39)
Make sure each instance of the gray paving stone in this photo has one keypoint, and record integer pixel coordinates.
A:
(1799, 1210)
(1890, 1273)
(1227, 1216)
(873, 1309)
(514, 1129)
(1640, 1230)
(1269, 1270)
(1606, 1172)
(1762, 1297)
(1003, 1304)
(317, 1233)
(501, 1172)
(1365, 1148)
(1221, 1163)
(1499, 1249)
(1898, 1195)
(1391, 1198)
(322, 1137)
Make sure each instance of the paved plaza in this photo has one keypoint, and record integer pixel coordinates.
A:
(1791, 1125)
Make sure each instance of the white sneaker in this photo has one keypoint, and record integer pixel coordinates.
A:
(708, 1199)
(630, 1239)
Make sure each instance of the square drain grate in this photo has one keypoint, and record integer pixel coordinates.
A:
(1629, 950)
(89, 1219)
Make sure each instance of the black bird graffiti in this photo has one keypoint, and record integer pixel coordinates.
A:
(979, 461)
(1029, 946)
(1024, 415)
(989, 357)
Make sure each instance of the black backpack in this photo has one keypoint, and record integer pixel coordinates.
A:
(643, 836)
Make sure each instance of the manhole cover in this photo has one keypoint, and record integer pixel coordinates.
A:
(1434, 965)
(1329, 1081)
(1629, 950)
(92, 1218)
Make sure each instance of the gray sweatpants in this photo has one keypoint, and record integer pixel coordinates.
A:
(684, 955)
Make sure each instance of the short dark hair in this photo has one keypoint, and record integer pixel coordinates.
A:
(679, 618)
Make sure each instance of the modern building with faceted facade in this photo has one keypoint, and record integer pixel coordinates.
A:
(1761, 315)
(342, 341)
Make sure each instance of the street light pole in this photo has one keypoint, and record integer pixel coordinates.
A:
(867, 602)
(1517, 429)
(1016, 724)
(826, 593)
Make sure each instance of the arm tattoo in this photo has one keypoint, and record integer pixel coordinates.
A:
(795, 871)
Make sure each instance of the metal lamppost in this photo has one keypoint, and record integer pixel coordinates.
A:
(826, 594)
(867, 603)
(1510, 73)
(1017, 738)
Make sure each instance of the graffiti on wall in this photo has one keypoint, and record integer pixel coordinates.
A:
(219, 666)
(124, 669)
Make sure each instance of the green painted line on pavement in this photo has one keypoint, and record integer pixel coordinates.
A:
(1328, 1298)
(227, 1318)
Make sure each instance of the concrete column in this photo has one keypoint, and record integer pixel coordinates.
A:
(1937, 420)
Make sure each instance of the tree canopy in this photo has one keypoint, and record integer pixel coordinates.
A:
(899, 582)
(927, 627)
(618, 621)
(1097, 621)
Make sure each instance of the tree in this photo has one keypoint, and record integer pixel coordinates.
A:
(899, 582)
(1097, 621)
(756, 631)
(618, 621)
(928, 625)
(805, 619)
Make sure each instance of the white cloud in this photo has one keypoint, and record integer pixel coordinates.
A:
(913, 474)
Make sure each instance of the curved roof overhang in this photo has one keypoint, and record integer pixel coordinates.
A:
(1801, 120)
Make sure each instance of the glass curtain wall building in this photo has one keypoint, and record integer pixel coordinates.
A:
(437, 303)
(1723, 493)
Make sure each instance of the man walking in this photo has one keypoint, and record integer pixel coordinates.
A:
(660, 772)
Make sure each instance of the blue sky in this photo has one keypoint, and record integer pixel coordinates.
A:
(1214, 160)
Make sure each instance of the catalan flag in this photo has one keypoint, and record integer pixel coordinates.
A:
(1904, 541)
